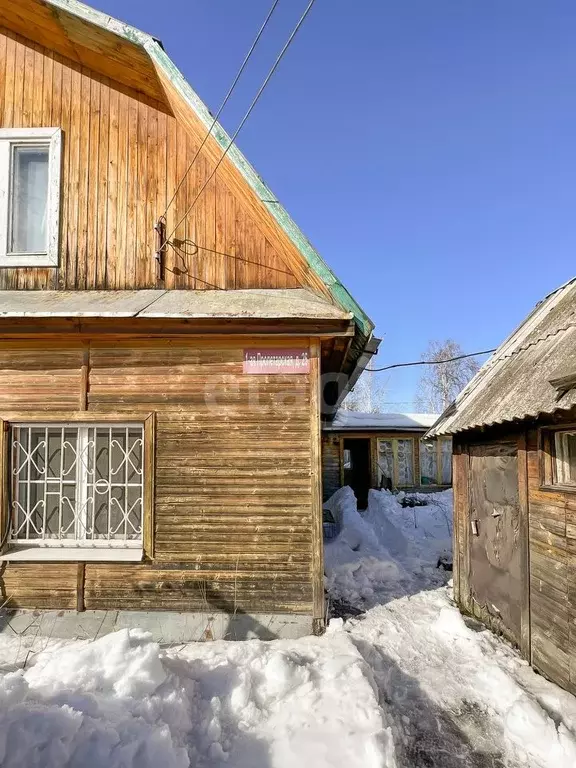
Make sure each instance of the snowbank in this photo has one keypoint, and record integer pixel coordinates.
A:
(122, 702)
(427, 529)
(375, 556)
(455, 695)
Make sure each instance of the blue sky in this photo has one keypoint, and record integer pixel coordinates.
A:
(426, 147)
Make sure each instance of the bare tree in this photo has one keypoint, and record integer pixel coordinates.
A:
(368, 395)
(440, 384)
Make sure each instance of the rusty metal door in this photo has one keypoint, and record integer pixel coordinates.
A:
(495, 550)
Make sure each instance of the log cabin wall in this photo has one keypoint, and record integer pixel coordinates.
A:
(123, 155)
(237, 525)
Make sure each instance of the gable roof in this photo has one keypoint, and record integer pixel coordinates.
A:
(372, 422)
(168, 73)
(515, 383)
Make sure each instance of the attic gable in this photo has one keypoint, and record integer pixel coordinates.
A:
(104, 41)
(87, 43)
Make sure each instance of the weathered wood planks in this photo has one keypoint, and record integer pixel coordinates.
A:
(236, 519)
(124, 154)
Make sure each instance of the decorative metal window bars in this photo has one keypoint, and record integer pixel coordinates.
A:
(77, 484)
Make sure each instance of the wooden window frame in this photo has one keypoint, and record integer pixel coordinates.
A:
(147, 419)
(52, 139)
(547, 456)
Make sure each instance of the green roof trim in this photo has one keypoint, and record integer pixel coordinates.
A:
(154, 49)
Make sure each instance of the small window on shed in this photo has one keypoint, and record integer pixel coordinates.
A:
(565, 458)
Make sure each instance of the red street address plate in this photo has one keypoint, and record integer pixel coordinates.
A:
(276, 361)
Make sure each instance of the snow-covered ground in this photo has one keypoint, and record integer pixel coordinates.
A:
(451, 692)
(403, 682)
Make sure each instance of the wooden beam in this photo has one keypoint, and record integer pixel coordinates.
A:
(4, 481)
(149, 484)
(84, 378)
(318, 601)
(524, 536)
(80, 581)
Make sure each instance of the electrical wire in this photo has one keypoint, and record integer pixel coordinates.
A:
(244, 119)
(226, 99)
(431, 362)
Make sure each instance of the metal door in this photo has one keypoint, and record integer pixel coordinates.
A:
(495, 549)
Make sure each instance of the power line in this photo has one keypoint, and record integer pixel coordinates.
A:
(244, 119)
(431, 362)
(226, 99)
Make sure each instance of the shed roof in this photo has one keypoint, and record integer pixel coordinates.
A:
(371, 422)
(514, 384)
(255, 303)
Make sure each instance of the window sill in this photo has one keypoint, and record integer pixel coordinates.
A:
(28, 260)
(73, 554)
(558, 488)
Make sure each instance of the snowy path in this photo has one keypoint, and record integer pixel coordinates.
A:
(407, 683)
(453, 694)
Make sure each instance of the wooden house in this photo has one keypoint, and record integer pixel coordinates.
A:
(164, 326)
(514, 434)
(383, 450)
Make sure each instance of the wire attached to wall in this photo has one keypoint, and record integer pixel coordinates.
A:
(431, 362)
(245, 118)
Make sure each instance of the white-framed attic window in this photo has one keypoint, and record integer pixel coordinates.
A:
(30, 162)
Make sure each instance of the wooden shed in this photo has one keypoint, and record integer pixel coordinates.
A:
(164, 327)
(514, 434)
(383, 450)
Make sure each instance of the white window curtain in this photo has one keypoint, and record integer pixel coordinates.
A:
(385, 463)
(405, 463)
(446, 455)
(428, 463)
(29, 194)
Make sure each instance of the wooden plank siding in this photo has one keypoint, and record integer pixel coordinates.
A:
(550, 612)
(548, 544)
(124, 153)
(236, 521)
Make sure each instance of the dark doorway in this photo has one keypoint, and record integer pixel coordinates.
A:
(495, 557)
(357, 468)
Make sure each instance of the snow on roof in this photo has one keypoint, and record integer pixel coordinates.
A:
(354, 420)
(254, 303)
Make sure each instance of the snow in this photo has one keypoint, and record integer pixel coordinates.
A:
(123, 702)
(452, 693)
(401, 681)
(357, 420)
(389, 551)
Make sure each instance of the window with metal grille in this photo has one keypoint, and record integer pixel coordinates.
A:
(77, 484)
